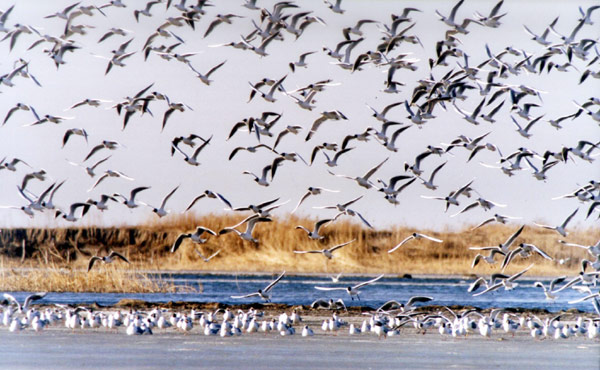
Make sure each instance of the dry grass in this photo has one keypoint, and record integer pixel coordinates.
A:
(148, 248)
(368, 254)
(57, 279)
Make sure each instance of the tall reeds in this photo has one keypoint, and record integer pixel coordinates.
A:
(147, 247)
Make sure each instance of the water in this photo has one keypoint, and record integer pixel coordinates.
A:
(299, 290)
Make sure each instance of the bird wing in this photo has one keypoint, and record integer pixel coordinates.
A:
(462, 189)
(558, 280)
(430, 238)
(572, 244)
(33, 297)
(12, 300)
(325, 288)
(237, 126)
(585, 298)
(512, 238)
(211, 256)
(245, 296)
(418, 299)
(483, 248)
(201, 229)
(215, 68)
(166, 116)
(268, 203)
(212, 26)
(312, 251)
(363, 220)
(483, 223)
(314, 128)
(541, 252)
(519, 274)
(372, 170)
(276, 84)
(320, 303)
(100, 179)
(496, 9)
(564, 225)
(279, 136)
(270, 286)
(352, 201)
(489, 289)
(194, 201)
(137, 190)
(476, 284)
(118, 255)
(199, 149)
(94, 150)
(454, 9)
(178, 242)
(436, 171)
(162, 205)
(301, 200)
(569, 284)
(508, 257)
(10, 112)
(341, 245)
(401, 244)
(224, 200)
(320, 223)
(358, 286)
(91, 263)
(470, 206)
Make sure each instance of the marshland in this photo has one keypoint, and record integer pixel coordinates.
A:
(62, 255)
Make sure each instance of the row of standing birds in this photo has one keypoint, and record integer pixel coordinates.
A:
(429, 96)
(386, 321)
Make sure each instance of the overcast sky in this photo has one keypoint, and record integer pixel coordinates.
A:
(216, 108)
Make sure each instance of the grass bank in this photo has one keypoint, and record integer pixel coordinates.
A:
(65, 252)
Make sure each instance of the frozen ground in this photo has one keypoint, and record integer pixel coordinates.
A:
(57, 348)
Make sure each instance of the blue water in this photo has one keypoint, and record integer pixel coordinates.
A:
(299, 290)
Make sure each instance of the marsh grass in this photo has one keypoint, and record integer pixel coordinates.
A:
(107, 279)
(64, 253)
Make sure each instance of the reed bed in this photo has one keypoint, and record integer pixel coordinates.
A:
(147, 246)
(59, 279)
(368, 254)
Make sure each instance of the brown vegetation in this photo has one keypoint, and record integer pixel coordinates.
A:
(67, 251)
(57, 279)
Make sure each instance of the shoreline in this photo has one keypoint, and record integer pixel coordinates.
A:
(269, 273)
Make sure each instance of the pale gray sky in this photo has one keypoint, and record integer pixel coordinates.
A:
(216, 108)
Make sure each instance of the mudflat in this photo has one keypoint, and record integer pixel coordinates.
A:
(60, 348)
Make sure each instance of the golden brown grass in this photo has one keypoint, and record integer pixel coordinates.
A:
(368, 254)
(147, 247)
(57, 279)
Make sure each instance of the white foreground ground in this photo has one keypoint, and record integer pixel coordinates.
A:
(57, 348)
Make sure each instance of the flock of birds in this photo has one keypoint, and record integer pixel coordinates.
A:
(284, 21)
(386, 321)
